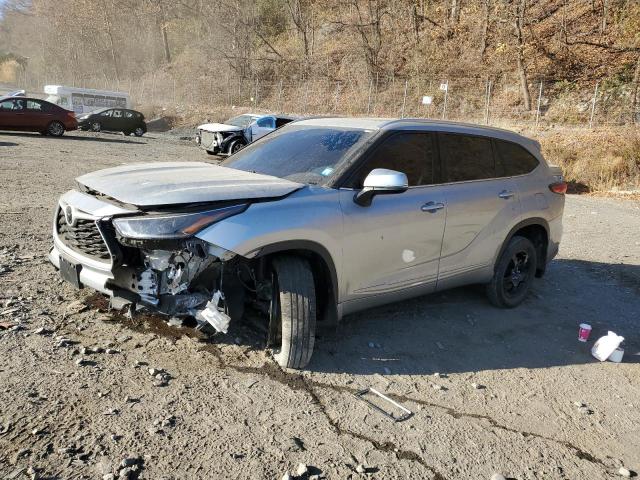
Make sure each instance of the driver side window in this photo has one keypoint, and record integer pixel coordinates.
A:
(409, 153)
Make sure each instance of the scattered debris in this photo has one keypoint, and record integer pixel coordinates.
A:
(111, 411)
(302, 470)
(477, 386)
(583, 332)
(287, 476)
(605, 346)
(111, 351)
(42, 331)
(624, 472)
(406, 413)
(580, 404)
(214, 315)
(498, 476)
(361, 468)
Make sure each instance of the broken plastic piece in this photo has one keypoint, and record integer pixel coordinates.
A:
(212, 314)
(406, 413)
(605, 346)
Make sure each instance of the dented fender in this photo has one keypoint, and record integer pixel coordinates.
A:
(311, 224)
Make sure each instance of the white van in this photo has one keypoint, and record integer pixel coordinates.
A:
(84, 100)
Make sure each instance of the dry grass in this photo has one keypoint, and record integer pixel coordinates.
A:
(602, 160)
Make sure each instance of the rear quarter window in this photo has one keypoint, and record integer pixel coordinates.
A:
(513, 159)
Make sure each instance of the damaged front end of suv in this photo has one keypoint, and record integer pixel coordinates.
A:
(111, 235)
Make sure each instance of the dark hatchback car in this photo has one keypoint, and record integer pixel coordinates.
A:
(35, 115)
(114, 120)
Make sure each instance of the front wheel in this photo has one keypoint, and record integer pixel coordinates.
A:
(293, 311)
(236, 146)
(138, 132)
(55, 129)
(514, 273)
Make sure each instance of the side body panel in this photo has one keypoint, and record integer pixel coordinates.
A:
(392, 244)
(478, 220)
(311, 215)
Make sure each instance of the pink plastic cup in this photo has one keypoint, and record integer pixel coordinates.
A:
(584, 332)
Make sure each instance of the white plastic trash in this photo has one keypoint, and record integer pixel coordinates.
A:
(605, 346)
(617, 355)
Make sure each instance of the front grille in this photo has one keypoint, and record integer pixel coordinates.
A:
(206, 138)
(83, 237)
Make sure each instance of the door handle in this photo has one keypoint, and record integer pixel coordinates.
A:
(506, 194)
(432, 207)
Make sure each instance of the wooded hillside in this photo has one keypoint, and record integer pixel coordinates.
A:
(267, 47)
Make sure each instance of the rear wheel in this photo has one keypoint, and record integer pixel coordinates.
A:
(138, 132)
(292, 326)
(514, 273)
(55, 129)
(96, 126)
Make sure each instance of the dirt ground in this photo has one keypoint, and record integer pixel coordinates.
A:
(77, 399)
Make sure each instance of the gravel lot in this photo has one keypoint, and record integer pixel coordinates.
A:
(223, 409)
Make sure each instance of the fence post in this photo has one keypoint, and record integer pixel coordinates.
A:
(304, 101)
(538, 108)
(369, 100)
(153, 89)
(404, 99)
(446, 95)
(280, 96)
(337, 95)
(486, 110)
(375, 97)
(593, 105)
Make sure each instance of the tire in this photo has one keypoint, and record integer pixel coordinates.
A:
(513, 274)
(126, 133)
(139, 131)
(293, 311)
(210, 152)
(235, 146)
(55, 129)
(96, 126)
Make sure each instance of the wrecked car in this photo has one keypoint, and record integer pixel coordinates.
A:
(320, 219)
(237, 132)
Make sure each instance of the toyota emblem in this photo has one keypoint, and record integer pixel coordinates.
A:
(68, 216)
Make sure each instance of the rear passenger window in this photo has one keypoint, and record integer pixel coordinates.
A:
(513, 159)
(466, 157)
(409, 153)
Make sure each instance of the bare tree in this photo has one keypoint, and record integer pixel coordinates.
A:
(519, 16)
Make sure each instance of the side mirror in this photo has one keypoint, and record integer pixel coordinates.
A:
(381, 182)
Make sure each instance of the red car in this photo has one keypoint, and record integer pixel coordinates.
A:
(35, 115)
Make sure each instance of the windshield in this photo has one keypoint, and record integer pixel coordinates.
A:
(240, 121)
(300, 153)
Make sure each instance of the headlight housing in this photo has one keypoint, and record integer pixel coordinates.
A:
(172, 225)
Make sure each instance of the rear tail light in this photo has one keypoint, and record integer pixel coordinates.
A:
(558, 187)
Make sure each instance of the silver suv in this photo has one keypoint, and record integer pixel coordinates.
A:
(321, 218)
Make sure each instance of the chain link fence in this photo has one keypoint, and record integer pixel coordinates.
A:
(490, 101)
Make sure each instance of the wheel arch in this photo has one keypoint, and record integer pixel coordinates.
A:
(535, 229)
(324, 270)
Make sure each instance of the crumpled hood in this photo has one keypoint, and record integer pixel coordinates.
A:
(219, 127)
(169, 183)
